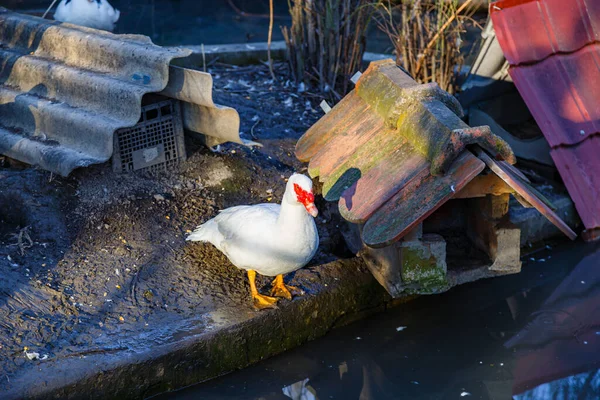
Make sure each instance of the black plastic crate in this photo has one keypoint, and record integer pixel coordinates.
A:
(155, 143)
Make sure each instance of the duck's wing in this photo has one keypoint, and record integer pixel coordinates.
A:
(247, 221)
(241, 224)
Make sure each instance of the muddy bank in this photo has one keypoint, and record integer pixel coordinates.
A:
(97, 264)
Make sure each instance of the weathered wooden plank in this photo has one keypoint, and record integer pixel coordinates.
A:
(328, 126)
(518, 175)
(514, 169)
(358, 164)
(353, 133)
(515, 182)
(483, 185)
(378, 185)
(417, 200)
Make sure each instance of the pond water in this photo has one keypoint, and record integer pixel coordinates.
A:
(535, 335)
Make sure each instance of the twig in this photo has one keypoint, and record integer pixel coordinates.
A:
(23, 233)
(439, 32)
(243, 13)
(269, 39)
(49, 8)
(252, 129)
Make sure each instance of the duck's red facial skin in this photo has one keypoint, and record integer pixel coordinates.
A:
(307, 199)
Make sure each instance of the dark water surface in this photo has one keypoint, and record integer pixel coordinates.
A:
(535, 335)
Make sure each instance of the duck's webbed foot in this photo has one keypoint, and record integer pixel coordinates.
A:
(260, 301)
(280, 289)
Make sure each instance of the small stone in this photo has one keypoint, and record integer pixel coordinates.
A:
(400, 328)
(159, 197)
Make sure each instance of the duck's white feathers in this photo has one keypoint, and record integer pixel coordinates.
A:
(268, 238)
(88, 13)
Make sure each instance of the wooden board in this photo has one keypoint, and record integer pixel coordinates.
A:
(380, 183)
(328, 126)
(417, 200)
(518, 185)
(483, 185)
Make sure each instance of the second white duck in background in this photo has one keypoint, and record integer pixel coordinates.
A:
(97, 14)
(270, 239)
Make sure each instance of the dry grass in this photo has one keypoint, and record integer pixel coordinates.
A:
(326, 42)
(426, 35)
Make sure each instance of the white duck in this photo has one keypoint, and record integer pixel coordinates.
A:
(270, 239)
(98, 14)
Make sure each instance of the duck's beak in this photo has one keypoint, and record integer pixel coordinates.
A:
(312, 209)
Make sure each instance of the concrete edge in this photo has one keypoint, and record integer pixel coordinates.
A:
(353, 294)
(246, 54)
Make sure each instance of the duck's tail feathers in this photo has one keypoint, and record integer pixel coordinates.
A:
(204, 233)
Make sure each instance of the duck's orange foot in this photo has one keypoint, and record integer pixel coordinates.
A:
(262, 302)
(280, 289)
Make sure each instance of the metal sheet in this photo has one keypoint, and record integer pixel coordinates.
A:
(579, 168)
(65, 89)
(549, 26)
(568, 110)
(560, 85)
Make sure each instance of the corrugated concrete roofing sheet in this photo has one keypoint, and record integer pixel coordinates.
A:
(65, 90)
(553, 47)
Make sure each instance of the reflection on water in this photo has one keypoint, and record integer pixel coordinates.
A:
(530, 336)
(300, 391)
(580, 386)
(557, 352)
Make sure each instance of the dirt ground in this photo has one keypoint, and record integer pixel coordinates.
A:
(90, 261)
